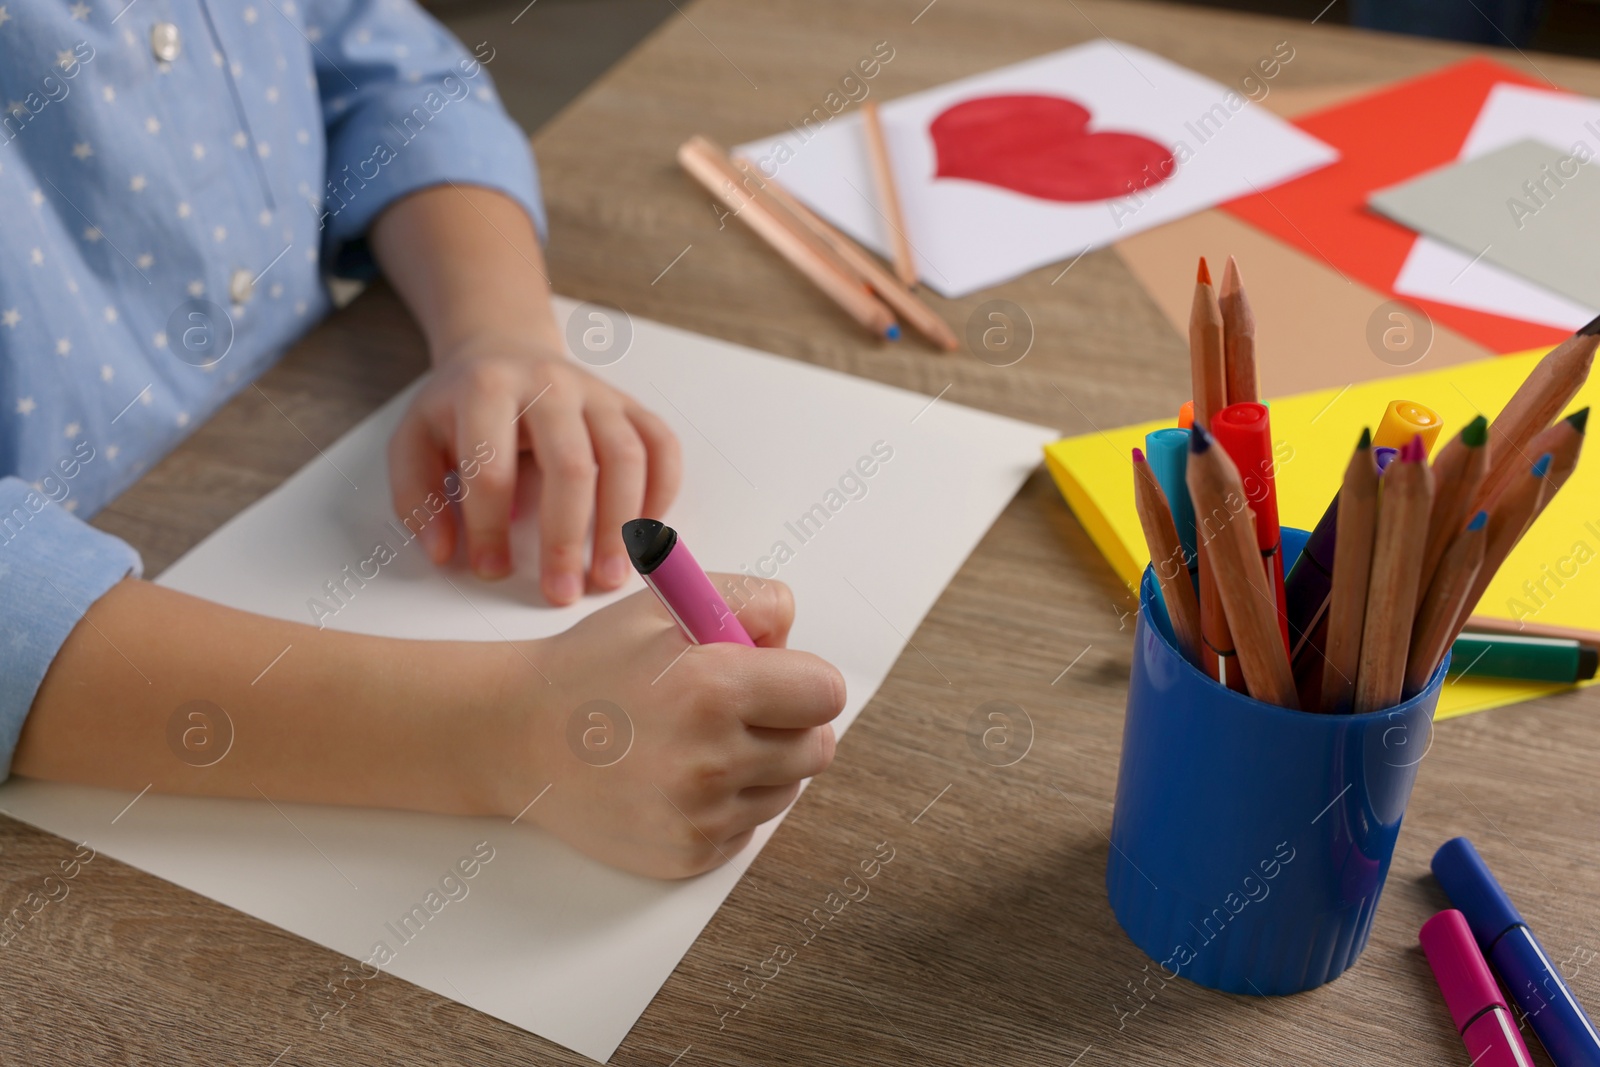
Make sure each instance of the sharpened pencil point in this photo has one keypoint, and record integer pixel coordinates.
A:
(1231, 282)
(1589, 330)
(1366, 439)
(1414, 451)
(1475, 433)
(1138, 455)
(1204, 276)
(1579, 419)
(893, 332)
(1479, 520)
(1543, 466)
(1199, 440)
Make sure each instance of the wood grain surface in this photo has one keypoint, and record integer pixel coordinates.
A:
(988, 938)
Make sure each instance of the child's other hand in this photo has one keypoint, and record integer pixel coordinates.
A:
(661, 757)
(604, 459)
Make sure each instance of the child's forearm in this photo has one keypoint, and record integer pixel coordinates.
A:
(466, 261)
(314, 715)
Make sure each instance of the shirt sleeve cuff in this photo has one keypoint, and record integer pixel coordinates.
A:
(52, 567)
(401, 140)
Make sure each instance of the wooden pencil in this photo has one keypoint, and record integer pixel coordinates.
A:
(1352, 567)
(1564, 442)
(1167, 558)
(1486, 624)
(1509, 518)
(917, 314)
(1241, 581)
(1458, 470)
(1404, 502)
(708, 165)
(1238, 338)
(1442, 604)
(905, 267)
(1538, 400)
(1206, 369)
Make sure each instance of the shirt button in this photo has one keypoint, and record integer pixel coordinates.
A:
(164, 41)
(241, 286)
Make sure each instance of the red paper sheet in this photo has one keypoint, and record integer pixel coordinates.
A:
(1385, 138)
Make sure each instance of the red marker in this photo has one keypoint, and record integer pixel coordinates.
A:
(1245, 433)
(670, 571)
(1476, 1006)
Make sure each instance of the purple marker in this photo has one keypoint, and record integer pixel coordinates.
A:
(665, 564)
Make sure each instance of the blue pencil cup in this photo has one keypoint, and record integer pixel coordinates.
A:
(1250, 842)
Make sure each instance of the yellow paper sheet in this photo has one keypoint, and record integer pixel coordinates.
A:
(1552, 577)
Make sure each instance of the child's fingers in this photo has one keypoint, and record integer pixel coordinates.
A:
(781, 757)
(664, 457)
(752, 807)
(620, 494)
(780, 689)
(416, 472)
(565, 456)
(765, 608)
(486, 427)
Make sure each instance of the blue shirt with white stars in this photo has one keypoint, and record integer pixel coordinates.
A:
(177, 178)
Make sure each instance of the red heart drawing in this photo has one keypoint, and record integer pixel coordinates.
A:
(1041, 146)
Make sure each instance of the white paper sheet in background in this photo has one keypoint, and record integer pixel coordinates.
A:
(546, 939)
(968, 236)
(1436, 271)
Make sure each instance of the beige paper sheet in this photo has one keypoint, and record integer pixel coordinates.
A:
(1314, 326)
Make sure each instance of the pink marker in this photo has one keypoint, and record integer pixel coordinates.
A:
(670, 571)
(1470, 992)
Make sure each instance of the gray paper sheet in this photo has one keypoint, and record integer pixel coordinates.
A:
(1529, 208)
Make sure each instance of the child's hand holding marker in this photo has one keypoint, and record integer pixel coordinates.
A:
(104, 677)
(719, 736)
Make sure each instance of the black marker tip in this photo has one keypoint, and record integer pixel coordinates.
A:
(649, 541)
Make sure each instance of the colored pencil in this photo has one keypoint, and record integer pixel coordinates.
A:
(708, 165)
(1564, 442)
(1538, 400)
(917, 314)
(1509, 518)
(1206, 368)
(1458, 470)
(1435, 627)
(1352, 567)
(1167, 559)
(1402, 529)
(1310, 580)
(1229, 543)
(1527, 659)
(1244, 431)
(1486, 624)
(1238, 338)
(1404, 419)
(905, 267)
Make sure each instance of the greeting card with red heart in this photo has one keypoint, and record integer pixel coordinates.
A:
(1041, 146)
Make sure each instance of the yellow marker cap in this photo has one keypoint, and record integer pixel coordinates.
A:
(1403, 420)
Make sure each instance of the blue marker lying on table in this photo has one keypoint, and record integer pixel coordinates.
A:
(1516, 956)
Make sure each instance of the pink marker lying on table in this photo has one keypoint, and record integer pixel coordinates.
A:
(1471, 994)
(665, 564)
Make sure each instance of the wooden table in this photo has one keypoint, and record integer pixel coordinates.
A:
(988, 938)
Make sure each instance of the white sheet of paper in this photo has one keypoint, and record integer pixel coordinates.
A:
(968, 235)
(545, 938)
(1436, 271)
